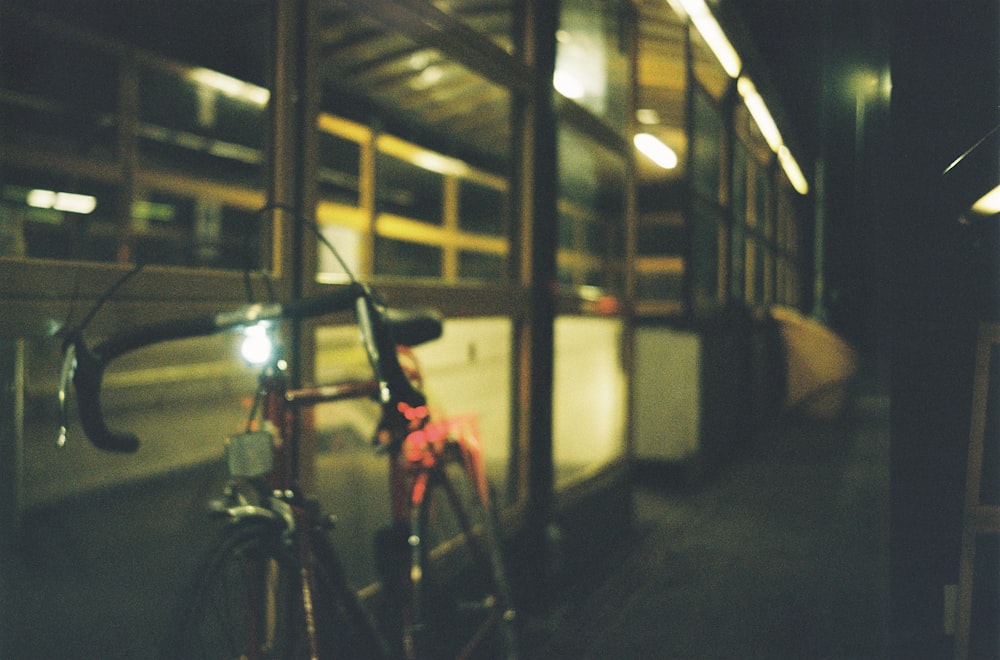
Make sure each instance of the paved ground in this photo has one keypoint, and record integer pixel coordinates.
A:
(783, 553)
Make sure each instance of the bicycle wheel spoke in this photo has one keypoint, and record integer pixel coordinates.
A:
(461, 604)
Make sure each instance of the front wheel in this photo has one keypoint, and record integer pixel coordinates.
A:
(459, 602)
(249, 600)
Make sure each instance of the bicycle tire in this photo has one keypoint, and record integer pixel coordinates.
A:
(246, 602)
(460, 603)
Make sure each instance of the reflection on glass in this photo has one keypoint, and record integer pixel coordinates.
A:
(482, 209)
(591, 63)
(412, 88)
(56, 94)
(339, 168)
(481, 266)
(706, 147)
(466, 371)
(706, 225)
(493, 20)
(408, 190)
(349, 246)
(589, 396)
(591, 211)
(190, 138)
(406, 259)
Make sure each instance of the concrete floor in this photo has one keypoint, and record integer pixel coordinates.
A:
(781, 553)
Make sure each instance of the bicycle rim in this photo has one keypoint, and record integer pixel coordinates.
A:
(248, 603)
(460, 603)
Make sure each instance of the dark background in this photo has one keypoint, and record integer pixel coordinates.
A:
(908, 280)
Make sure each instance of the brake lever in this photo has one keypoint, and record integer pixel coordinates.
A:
(65, 378)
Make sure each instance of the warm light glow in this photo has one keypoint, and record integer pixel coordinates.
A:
(647, 116)
(758, 110)
(61, 201)
(440, 164)
(427, 78)
(567, 85)
(230, 86)
(988, 204)
(655, 150)
(792, 170)
(713, 35)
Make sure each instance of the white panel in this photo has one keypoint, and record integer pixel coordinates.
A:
(590, 391)
(667, 394)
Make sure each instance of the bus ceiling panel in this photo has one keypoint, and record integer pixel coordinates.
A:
(417, 81)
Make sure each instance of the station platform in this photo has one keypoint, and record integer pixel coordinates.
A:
(783, 552)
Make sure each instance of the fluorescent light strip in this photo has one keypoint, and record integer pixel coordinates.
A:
(988, 204)
(758, 110)
(232, 87)
(769, 129)
(792, 170)
(61, 201)
(713, 35)
(710, 30)
(655, 150)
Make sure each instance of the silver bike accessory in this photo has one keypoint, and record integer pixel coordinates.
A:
(250, 454)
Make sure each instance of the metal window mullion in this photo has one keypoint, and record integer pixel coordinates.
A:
(450, 212)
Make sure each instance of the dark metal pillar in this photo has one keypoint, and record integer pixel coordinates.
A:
(11, 465)
(537, 186)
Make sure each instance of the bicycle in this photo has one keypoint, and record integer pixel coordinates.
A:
(274, 587)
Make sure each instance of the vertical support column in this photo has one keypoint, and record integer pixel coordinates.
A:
(11, 465)
(537, 193)
(291, 187)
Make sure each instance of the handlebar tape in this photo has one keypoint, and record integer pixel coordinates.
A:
(409, 328)
(413, 327)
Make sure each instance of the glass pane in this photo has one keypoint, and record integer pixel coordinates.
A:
(660, 240)
(193, 154)
(591, 58)
(181, 415)
(349, 244)
(482, 209)
(339, 169)
(707, 69)
(705, 256)
(482, 266)
(405, 259)
(660, 286)
(737, 266)
(589, 395)
(372, 74)
(466, 371)
(706, 147)
(56, 94)
(58, 216)
(592, 189)
(493, 19)
(408, 190)
(760, 277)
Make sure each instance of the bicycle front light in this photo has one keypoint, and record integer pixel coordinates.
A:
(257, 345)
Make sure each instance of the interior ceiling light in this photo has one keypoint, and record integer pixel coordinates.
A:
(61, 201)
(647, 116)
(758, 110)
(713, 35)
(655, 150)
(988, 204)
(231, 87)
(792, 170)
(567, 85)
